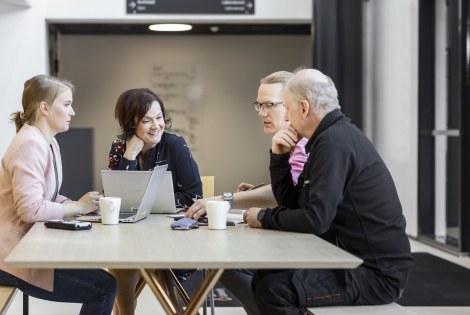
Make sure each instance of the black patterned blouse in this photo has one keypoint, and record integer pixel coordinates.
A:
(172, 150)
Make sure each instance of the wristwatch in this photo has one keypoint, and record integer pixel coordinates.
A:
(228, 196)
(261, 215)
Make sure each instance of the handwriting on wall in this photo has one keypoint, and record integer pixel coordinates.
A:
(180, 87)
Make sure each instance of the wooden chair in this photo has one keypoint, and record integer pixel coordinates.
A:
(207, 186)
(173, 287)
(7, 294)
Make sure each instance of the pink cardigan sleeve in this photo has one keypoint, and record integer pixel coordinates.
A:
(33, 182)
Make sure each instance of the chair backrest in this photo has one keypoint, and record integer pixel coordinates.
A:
(207, 186)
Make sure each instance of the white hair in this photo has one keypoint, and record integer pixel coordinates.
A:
(315, 87)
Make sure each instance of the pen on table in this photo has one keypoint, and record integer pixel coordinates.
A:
(257, 186)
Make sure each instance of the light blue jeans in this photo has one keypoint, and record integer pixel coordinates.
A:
(95, 289)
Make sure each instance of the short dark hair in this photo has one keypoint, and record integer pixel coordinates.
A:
(131, 106)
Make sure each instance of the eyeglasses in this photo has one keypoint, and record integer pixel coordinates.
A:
(266, 106)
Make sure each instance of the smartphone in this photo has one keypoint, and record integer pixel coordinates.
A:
(68, 225)
(184, 224)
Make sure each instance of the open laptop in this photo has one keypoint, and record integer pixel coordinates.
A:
(131, 194)
(165, 202)
(121, 184)
(117, 184)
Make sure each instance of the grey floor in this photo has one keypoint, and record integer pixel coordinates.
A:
(148, 305)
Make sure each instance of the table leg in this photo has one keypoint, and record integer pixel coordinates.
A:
(139, 287)
(192, 306)
(200, 295)
(204, 305)
(182, 293)
(173, 288)
(159, 291)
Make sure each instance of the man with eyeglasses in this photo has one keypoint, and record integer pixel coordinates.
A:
(344, 195)
(266, 106)
(269, 105)
(270, 109)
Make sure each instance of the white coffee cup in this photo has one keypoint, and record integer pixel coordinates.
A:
(110, 207)
(217, 214)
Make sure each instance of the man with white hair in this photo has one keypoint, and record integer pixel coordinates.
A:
(345, 195)
(269, 107)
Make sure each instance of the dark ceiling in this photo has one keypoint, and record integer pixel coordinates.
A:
(198, 29)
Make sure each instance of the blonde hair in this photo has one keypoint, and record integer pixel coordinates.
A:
(277, 77)
(40, 88)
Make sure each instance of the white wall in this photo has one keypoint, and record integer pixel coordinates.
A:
(392, 94)
(23, 53)
(230, 143)
(23, 50)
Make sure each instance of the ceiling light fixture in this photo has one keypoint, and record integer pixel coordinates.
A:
(170, 27)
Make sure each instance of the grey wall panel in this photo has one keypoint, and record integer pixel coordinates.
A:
(76, 149)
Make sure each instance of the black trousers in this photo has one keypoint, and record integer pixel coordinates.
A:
(291, 291)
(95, 289)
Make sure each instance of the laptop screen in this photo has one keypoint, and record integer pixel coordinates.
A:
(131, 185)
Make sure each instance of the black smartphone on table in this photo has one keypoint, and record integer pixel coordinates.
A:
(68, 225)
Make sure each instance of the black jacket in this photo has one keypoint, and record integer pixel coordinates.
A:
(345, 195)
(172, 150)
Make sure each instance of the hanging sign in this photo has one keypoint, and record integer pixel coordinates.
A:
(190, 7)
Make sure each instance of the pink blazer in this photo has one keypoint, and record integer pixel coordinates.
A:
(27, 184)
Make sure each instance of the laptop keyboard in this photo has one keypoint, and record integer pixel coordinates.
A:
(125, 215)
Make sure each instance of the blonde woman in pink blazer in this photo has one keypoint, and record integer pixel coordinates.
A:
(30, 179)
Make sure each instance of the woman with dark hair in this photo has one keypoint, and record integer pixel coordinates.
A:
(142, 145)
(31, 176)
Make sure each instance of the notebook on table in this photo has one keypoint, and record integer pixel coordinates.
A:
(129, 186)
